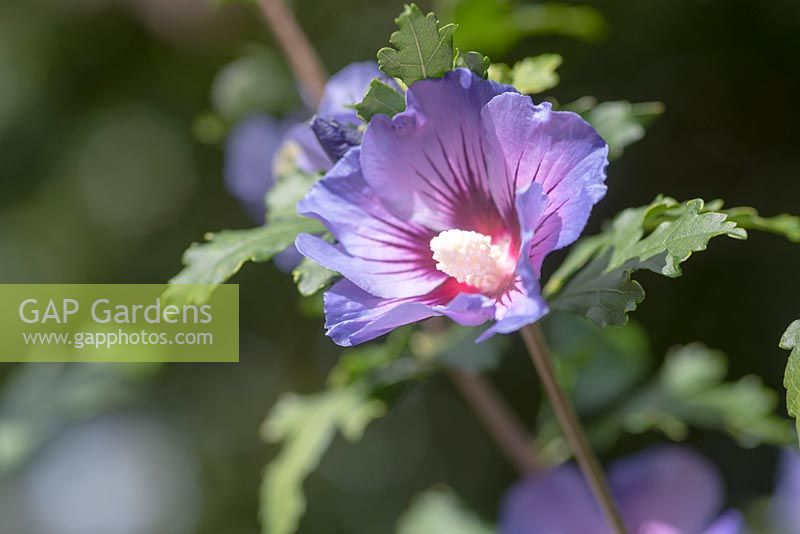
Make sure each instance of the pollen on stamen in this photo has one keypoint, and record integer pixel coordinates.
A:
(471, 258)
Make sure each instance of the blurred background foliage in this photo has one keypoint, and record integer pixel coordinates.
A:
(112, 122)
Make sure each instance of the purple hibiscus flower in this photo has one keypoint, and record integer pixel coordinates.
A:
(664, 490)
(785, 505)
(249, 151)
(253, 144)
(345, 88)
(450, 207)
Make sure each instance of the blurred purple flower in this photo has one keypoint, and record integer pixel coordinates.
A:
(253, 144)
(785, 506)
(345, 88)
(664, 490)
(249, 151)
(450, 207)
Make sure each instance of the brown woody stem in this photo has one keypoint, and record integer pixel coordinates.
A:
(499, 421)
(571, 426)
(303, 59)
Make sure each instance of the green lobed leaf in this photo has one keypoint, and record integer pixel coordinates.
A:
(581, 254)
(596, 365)
(619, 123)
(306, 425)
(224, 253)
(791, 378)
(381, 99)
(676, 240)
(281, 200)
(596, 278)
(691, 389)
(454, 346)
(439, 511)
(420, 48)
(534, 75)
(364, 379)
(596, 281)
(784, 225)
(605, 297)
(361, 363)
(311, 277)
(500, 73)
(474, 61)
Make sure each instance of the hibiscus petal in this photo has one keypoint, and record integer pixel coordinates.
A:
(428, 163)
(249, 150)
(664, 490)
(671, 485)
(784, 508)
(557, 502)
(377, 251)
(354, 316)
(731, 522)
(524, 305)
(558, 150)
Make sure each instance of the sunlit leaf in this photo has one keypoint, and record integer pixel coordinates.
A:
(692, 388)
(358, 364)
(454, 346)
(784, 225)
(530, 76)
(289, 189)
(224, 253)
(605, 297)
(596, 365)
(305, 426)
(420, 48)
(381, 98)
(603, 290)
(311, 277)
(619, 123)
(439, 511)
(674, 240)
(536, 74)
(474, 61)
(791, 378)
(581, 254)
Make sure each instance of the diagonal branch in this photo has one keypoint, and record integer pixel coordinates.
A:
(571, 426)
(303, 59)
(500, 422)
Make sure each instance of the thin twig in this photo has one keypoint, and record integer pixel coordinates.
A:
(571, 426)
(303, 59)
(500, 422)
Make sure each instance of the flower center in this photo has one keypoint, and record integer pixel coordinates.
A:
(472, 259)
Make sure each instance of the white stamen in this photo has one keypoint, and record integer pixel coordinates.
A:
(471, 258)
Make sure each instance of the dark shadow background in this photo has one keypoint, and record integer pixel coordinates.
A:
(101, 180)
